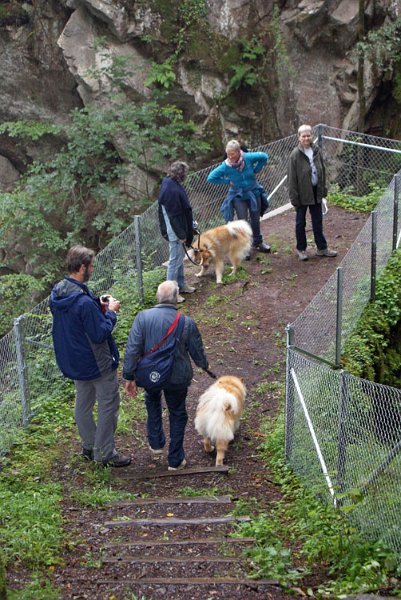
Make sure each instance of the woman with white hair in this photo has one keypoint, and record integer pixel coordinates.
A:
(245, 196)
(176, 223)
(306, 180)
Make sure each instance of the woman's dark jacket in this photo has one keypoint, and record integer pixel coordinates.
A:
(299, 177)
(179, 211)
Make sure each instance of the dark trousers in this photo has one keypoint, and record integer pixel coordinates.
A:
(242, 209)
(178, 417)
(317, 226)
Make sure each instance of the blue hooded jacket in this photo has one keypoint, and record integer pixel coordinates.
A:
(84, 346)
(243, 183)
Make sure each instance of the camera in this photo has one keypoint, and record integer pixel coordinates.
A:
(105, 298)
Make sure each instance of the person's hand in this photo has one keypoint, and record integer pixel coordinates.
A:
(131, 388)
(114, 304)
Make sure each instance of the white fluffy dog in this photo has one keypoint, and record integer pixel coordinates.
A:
(218, 414)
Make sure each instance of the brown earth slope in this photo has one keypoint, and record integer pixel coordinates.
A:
(243, 328)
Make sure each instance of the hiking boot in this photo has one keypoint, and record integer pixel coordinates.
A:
(187, 289)
(118, 460)
(302, 255)
(326, 252)
(180, 466)
(87, 453)
(262, 247)
(180, 299)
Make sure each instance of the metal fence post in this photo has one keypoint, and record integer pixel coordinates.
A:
(320, 136)
(395, 213)
(138, 256)
(342, 431)
(339, 315)
(22, 369)
(289, 397)
(373, 256)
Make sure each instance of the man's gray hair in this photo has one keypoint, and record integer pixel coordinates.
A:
(167, 292)
(233, 145)
(178, 170)
(304, 128)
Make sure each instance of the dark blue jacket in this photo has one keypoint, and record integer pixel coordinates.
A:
(149, 327)
(84, 346)
(175, 201)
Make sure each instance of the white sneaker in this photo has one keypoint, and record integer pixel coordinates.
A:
(180, 466)
(187, 289)
(326, 252)
(180, 299)
(156, 452)
(302, 255)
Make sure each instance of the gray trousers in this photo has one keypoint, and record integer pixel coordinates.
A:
(98, 437)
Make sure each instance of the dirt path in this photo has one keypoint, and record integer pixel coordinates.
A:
(243, 328)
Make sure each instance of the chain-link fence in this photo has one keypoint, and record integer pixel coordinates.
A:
(343, 434)
(343, 437)
(28, 374)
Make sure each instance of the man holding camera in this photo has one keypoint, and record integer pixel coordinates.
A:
(87, 353)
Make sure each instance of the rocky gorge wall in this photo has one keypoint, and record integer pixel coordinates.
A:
(253, 69)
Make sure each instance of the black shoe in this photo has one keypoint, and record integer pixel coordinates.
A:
(263, 248)
(119, 460)
(87, 454)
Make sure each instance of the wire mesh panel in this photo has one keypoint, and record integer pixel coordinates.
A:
(27, 365)
(356, 426)
(315, 330)
(11, 403)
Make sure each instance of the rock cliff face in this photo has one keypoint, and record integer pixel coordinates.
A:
(254, 69)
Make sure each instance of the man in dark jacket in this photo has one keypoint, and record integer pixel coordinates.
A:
(176, 223)
(86, 352)
(306, 179)
(149, 327)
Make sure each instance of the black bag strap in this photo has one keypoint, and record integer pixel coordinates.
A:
(171, 329)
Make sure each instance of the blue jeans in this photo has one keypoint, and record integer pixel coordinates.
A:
(175, 269)
(178, 417)
(242, 209)
(317, 226)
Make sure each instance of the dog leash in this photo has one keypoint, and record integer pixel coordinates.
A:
(186, 251)
(210, 373)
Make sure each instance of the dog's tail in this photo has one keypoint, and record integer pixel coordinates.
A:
(240, 227)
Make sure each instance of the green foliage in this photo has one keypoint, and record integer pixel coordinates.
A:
(32, 130)
(382, 45)
(246, 72)
(300, 529)
(366, 203)
(162, 74)
(16, 290)
(86, 193)
(364, 351)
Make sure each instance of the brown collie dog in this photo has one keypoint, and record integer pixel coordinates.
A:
(218, 414)
(233, 240)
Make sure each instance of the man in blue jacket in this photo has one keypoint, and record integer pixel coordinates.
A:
(149, 327)
(245, 195)
(87, 353)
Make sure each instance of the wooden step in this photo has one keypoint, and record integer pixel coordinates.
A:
(252, 583)
(165, 473)
(171, 522)
(173, 500)
(194, 542)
